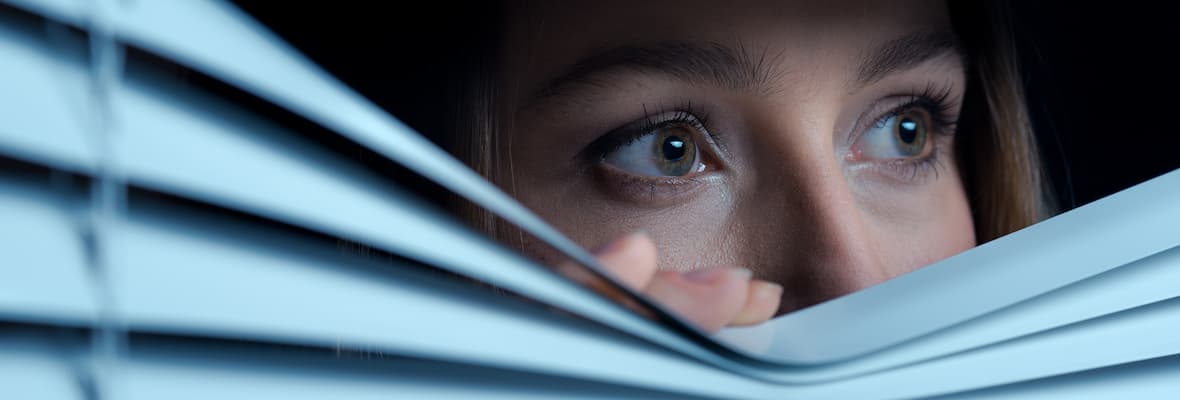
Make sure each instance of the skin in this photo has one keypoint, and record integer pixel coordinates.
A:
(789, 190)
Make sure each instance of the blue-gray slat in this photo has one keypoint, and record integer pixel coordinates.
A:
(44, 110)
(35, 364)
(1143, 282)
(43, 263)
(200, 276)
(1151, 379)
(175, 371)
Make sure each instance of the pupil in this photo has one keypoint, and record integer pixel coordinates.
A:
(673, 148)
(908, 131)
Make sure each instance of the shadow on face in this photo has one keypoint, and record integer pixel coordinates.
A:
(811, 143)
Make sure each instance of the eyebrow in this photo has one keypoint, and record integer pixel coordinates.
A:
(708, 63)
(711, 63)
(907, 52)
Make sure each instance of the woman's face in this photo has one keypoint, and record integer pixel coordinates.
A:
(811, 142)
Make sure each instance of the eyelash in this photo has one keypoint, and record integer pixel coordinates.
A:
(652, 189)
(937, 101)
(683, 114)
(934, 99)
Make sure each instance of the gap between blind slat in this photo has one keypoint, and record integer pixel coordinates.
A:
(198, 276)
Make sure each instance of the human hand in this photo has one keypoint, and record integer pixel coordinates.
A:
(710, 298)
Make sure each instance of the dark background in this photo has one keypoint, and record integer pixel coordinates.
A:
(1100, 79)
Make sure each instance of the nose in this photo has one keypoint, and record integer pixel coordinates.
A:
(817, 242)
(833, 252)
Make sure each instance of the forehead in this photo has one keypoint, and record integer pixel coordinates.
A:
(542, 38)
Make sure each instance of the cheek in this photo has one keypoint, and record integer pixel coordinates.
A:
(937, 225)
(694, 236)
(690, 235)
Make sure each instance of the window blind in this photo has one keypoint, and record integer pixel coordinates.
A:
(181, 215)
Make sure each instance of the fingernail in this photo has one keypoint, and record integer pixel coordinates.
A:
(741, 273)
(704, 275)
(766, 289)
(713, 274)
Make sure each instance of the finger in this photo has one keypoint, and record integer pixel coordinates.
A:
(632, 259)
(708, 298)
(761, 303)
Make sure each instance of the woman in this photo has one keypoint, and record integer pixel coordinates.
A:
(775, 154)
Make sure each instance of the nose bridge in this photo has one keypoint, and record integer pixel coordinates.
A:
(831, 250)
(837, 254)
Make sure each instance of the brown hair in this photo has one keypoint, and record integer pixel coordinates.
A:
(996, 150)
(995, 147)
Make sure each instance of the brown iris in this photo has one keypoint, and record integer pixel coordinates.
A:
(674, 152)
(911, 129)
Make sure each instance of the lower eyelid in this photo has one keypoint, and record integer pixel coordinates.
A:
(919, 170)
(916, 170)
(656, 190)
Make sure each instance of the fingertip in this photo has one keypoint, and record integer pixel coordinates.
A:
(742, 274)
(631, 258)
(767, 290)
(714, 275)
(709, 298)
(762, 302)
(643, 245)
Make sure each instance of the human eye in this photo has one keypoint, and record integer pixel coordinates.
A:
(661, 154)
(665, 150)
(901, 135)
(906, 140)
(667, 145)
